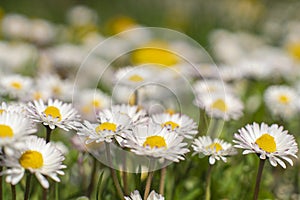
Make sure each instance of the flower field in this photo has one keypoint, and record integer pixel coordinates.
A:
(151, 100)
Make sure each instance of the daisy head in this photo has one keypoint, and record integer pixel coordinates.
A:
(136, 114)
(216, 149)
(152, 196)
(156, 142)
(224, 106)
(14, 127)
(16, 86)
(36, 156)
(282, 101)
(181, 124)
(110, 125)
(134, 76)
(211, 86)
(90, 102)
(53, 114)
(270, 142)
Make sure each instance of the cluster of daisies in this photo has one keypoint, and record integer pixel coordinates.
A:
(22, 150)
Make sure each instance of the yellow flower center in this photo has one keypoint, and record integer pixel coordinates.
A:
(155, 142)
(106, 126)
(170, 111)
(220, 105)
(37, 95)
(56, 90)
(283, 99)
(16, 85)
(96, 103)
(121, 24)
(31, 160)
(53, 112)
(5, 131)
(171, 124)
(136, 78)
(267, 143)
(215, 146)
(294, 50)
(155, 52)
(1, 111)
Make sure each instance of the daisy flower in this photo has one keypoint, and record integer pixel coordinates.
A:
(54, 114)
(268, 142)
(152, 196)
(224, 106)
(14, 127)
(211, 86)
(111, 124)
(16, 85)
(13, 108)
(90, 102)
(281, 101)
(216, 149)
(38, 158)
(134, 76)
(58, 88)
(136, 114)
(154, 141)
(179, 123)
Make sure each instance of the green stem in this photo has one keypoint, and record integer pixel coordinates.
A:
(162, 180)
(149, 179)
(113, 172)
(258, 178)
(45, 194)
(124, 174)
(92, 180)
(208, 183)
(13, 192)
(48, 134)
(27, 188)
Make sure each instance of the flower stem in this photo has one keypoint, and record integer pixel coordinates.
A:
(27, 188)
(48, 134)
(113, 172)
(92, 180)
(124, 174)
(13, 192)
(258, 178)
(162, 180)
(208, 183)
(149, 179)
(45, 194)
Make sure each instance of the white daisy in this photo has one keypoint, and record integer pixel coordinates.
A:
(54, 114)
(58, 88)
(179, 123)
(152, 196)
(136, 114)
(111, 124)
(225, 106)
(89, 102)
(216, 149)
(154, 141)
(134, 76)
(268, 142)
(36, 156)
(14, 127)
(211, 86)
(12, 108)
(282, 101)
(16, 85)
